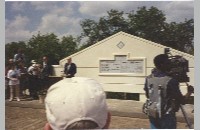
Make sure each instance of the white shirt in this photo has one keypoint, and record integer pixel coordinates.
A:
(13, 76)
(32, 70)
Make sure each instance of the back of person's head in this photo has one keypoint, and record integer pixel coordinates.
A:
(160, 62)
(76, 103)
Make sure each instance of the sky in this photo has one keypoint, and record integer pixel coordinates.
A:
(23, 19)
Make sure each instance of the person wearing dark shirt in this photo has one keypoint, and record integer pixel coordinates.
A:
(70, 68)
(173, 96)
(46, 71)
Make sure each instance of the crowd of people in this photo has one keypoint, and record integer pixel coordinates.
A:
(19, 78)
(34, 78)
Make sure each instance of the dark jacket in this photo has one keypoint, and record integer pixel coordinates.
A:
(46, 71)
(71, 70)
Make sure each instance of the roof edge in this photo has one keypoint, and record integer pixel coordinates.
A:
(132, 36)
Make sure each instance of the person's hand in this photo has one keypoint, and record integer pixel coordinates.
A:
(14, 79)
(190, 88)
(47, 127)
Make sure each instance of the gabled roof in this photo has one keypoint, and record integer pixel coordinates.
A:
(131, 36)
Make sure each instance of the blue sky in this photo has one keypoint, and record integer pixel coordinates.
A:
(27, 18)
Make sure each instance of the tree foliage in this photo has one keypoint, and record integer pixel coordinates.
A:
(68, 46)
(11, 49)
(146, 23)
(107, 26)
(43, 45)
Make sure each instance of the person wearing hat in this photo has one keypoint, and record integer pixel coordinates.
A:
(76, 103)
(70, 68)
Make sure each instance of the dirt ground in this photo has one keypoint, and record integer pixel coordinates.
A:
(17, 118)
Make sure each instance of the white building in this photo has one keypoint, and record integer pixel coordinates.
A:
(121, 62)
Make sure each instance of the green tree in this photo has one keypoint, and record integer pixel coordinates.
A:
(112, 23)
(44, 45)
(68, 46)
(105, 27)
(146, 23)
(11, 49)
(180, 35)
(90, 30)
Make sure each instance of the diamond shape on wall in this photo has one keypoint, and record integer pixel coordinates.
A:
(120, 45)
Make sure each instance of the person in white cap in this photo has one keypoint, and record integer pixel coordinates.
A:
(76, 103)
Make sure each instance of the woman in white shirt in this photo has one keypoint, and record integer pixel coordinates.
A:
(13, 76)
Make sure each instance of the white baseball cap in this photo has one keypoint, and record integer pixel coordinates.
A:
(75, 99)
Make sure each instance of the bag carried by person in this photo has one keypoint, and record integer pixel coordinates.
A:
(156, 104)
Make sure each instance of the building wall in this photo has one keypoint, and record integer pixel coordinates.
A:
(88, 62)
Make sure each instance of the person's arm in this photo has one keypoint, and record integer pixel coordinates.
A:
(50, 70)
(175, 93)
(190, 90)
(146, 89)
(65, 68)
(74, 69)
(15, 58)
(18, 73)
(9, 75)
(30, 70)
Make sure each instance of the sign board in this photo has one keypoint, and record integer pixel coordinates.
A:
(122, 65)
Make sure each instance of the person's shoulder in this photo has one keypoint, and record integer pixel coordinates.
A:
(73, 64)
(30, 67)
(15, 55)
(173, 79)
(149, 76)
(173, 83)
(10, 71)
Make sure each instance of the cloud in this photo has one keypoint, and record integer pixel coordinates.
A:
(174, 10)
(43, 5)
(19, 22)
(179, 11)
(18, 6)
(58, 24)
(64, 17)
(16, 29)
(61, 8)
(100, 8)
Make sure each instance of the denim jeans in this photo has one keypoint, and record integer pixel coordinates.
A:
(167, 121)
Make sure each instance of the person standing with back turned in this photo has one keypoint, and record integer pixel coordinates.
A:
(163, 95)
(76, 103)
